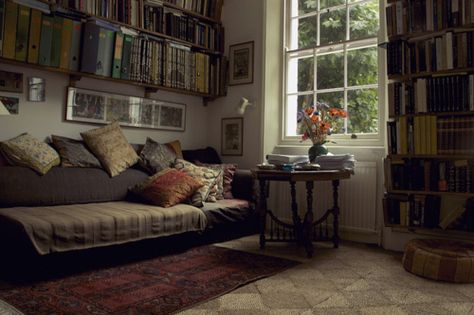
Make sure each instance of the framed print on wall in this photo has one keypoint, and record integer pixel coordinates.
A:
(232, 136)
(241, 63)
(102, 108)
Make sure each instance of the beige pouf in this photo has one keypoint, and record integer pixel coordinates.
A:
(438, 259)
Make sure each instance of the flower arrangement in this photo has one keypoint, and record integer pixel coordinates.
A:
(316, 122)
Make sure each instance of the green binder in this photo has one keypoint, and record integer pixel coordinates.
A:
(105, 52)
(56, 44)
(22, 33)
(117, 64)
(46, 40)
(126, 54)
(11, 14)
(74, 54)
(2, 22)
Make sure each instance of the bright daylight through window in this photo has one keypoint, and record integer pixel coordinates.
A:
(331, 57)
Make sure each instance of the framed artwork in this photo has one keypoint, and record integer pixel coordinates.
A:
(36, 89)
(241, 63)
(11, 104)
(11, 81)
(102, 108)
(232, 136)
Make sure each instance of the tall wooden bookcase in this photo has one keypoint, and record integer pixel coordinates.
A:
(429, 170)
(172, 45)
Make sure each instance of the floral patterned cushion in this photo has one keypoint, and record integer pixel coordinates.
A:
(176, 147)
(167, 188)
(74, 153)
(111, 147)
(25, 150)
(155, 157)
(205, 175)
(225, 180)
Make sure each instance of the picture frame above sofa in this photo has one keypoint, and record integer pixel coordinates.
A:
(97, 107)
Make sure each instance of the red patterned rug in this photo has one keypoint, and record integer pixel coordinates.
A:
(161, 285)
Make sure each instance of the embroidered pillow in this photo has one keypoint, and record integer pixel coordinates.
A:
(25, 150)
(206, 176)
(228, 171)
(176, 147)
(111, 148)
(155, 157)
(74, 153)
(167, 188)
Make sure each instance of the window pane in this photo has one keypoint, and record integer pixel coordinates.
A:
(364, 20)
(362, 66)
(330, 71)
(304, 101)
(333, 99)
(306, 6)
(301, 74)
(307, 31)
(295, 104)
(333, 26)
(362, 111)
(331, 3)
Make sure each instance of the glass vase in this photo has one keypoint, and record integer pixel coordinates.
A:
(316, 150)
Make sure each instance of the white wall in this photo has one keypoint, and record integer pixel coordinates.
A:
(41, 119)
(243, 22)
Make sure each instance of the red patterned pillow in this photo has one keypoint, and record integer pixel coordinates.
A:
(225, 183)
(167, 188)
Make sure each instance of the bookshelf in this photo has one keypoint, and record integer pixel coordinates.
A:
(429, 169)
(174, 45)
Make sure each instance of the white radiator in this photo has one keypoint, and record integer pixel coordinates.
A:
(357, 199)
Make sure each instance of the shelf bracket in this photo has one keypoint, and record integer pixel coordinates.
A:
(149, 91)
(73, 79)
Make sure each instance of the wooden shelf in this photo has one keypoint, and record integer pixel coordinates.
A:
(142, 30)
(435, 231)
(191, 13)
(408, 77)
(415, 36)
(435, 156)
(440, 193)
(98, 77)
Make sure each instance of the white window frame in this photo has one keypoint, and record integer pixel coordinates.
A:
(372, 139)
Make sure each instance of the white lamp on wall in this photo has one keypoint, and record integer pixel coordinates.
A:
(243, 104)
(3, 109)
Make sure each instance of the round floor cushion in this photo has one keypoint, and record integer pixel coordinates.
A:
(438, 259)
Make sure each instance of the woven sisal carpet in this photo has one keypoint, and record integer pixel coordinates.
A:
(161, 285)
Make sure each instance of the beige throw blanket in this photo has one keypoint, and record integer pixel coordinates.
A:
(80, 226)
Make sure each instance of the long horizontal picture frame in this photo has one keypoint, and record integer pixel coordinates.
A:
(91, 106)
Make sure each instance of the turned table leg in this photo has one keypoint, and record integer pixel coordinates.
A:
(294, 212)
(308, 219)
(262, 207)
(335, 212)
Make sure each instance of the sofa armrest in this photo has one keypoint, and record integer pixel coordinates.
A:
(243, 185)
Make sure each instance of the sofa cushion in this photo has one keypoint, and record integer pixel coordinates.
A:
(20, 186)
(28, 151)
(167, 188)
(111, 147)
(224, 181)
(227, 211)
(155, 157)
(74, 153)
(206, 176)
(73, 227)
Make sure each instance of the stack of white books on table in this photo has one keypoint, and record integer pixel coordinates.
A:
(336, 161)
(280, 159)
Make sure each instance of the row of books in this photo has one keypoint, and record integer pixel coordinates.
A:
(432, 95)
(127, 11)
(430, 135)
(446, 52)
(412, 210)
(155, 17)
(430, 175)
(104, 49)
(404, 17)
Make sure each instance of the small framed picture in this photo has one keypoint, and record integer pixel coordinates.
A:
(11, 104)
(36, 89)
(232, 136)
(11, 81)
(241, 63)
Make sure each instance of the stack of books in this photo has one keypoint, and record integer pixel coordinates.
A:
(336, 161)
(281, 159)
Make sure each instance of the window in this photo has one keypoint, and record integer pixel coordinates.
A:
(332, 57)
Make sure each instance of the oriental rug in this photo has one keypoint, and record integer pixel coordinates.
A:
(162, 285)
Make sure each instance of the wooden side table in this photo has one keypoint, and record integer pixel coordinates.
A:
(300, 231)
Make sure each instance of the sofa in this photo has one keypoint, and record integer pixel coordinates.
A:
(71, 210)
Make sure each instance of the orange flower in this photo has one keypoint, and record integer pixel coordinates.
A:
(325, 126)
(309, 110)
(334, 112)
(315, 118)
